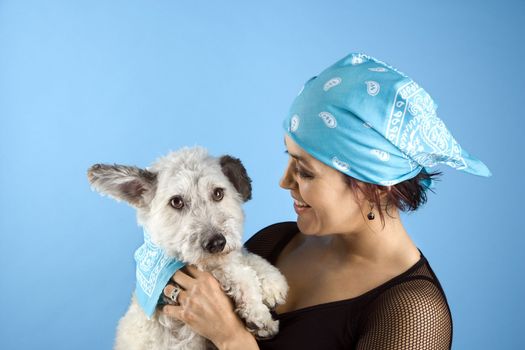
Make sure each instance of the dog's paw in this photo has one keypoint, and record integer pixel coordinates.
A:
(274, 297)
(274, 291)
(259, 322)
(264, 331)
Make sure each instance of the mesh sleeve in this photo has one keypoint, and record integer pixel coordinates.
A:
(410, 315)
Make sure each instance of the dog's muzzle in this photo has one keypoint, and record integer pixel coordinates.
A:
(215, 244)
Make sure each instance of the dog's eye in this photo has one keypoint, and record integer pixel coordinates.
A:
(177, 202)
(218, 194)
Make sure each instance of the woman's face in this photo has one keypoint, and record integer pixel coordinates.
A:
(324, 203)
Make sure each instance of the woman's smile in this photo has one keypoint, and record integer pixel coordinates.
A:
(300, 207)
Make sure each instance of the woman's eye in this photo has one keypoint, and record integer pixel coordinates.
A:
(303, 174)
(218, 194)
(177, 202)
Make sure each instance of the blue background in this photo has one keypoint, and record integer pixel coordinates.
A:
(83, 82)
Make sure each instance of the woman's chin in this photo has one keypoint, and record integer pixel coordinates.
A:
(306, 226)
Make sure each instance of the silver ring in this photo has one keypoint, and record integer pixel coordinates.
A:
(174, 295)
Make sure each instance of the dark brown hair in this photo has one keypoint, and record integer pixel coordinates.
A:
(406, 196)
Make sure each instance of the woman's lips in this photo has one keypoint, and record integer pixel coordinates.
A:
(300, 207)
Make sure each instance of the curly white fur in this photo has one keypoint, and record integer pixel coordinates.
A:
(254, 285)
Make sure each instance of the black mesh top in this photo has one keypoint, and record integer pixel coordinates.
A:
(409, 311)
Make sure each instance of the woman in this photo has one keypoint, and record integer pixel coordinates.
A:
(361, 137)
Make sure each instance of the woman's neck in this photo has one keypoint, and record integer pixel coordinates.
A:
(372, 243)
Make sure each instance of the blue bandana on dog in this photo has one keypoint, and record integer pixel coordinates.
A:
(154, 270)
(371, 122)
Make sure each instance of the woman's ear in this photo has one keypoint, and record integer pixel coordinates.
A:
(236, 173)
(384, 193)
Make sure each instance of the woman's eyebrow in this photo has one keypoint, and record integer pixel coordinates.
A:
(299, 158)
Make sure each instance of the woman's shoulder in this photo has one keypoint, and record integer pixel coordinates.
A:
(269, 241)
(417, 279)
(411, 307)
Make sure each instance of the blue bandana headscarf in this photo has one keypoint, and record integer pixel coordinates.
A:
(373, 123)
(154, 270)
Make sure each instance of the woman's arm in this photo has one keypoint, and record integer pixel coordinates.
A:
(205, 307)
(244, 341)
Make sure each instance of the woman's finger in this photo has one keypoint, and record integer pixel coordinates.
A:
(193, 271)
(182, 279)
(173, 311)
(181, 297)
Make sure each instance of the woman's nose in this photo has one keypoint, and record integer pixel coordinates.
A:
(287, 181)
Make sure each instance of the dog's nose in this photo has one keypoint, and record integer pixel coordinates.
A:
(215, 244)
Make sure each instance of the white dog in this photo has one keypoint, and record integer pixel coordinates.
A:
(191, 205)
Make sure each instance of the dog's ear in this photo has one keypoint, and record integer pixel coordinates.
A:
(236, 173)
(134, 185)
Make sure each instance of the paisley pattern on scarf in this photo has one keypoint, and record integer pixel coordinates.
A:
(153, 272)
(368, 120)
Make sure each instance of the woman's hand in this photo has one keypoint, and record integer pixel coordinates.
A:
(205, 307)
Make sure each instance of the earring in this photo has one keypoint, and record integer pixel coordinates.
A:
(371, 215)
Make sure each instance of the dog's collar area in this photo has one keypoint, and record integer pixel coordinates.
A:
(153, 271)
